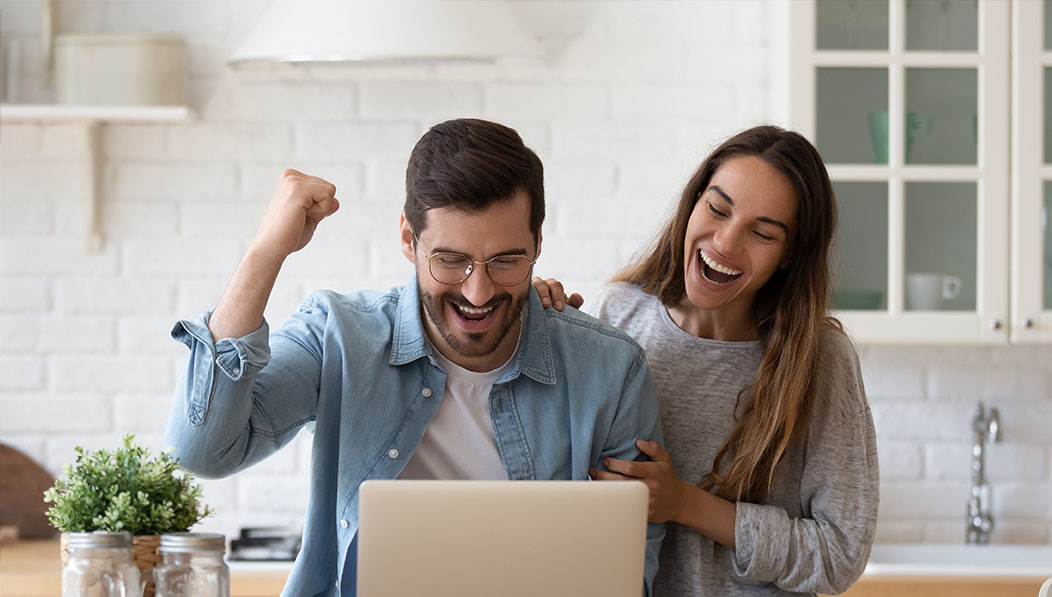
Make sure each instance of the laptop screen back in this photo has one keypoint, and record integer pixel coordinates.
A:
(506, 538)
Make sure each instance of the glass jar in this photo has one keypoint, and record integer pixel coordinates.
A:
(192, 565)
(100, 565)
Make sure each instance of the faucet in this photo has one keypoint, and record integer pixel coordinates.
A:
(986, 425)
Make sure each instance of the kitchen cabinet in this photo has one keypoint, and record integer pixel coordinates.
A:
(951, 586)
(91, 118)
(934, 121)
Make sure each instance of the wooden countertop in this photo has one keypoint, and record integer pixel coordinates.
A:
(32, 568)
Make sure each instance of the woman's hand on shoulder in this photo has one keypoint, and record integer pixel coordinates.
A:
(552, 294)
(668, 493)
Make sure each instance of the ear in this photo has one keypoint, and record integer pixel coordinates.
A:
(406, 232)
(540, 238)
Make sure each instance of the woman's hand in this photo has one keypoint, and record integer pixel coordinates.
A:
(552, 290)
(668, 493)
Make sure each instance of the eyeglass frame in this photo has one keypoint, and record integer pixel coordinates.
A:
(471, 268)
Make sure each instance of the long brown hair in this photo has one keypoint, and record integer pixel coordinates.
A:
(790, 310)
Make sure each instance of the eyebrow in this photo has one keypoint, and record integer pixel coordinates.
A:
(716, 189)
(502, 253)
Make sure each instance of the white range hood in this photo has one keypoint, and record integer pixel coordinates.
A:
(387, 31)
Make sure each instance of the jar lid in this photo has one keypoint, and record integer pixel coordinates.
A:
(193, 542)
(97, 540)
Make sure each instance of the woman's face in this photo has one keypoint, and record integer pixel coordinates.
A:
(738, 235)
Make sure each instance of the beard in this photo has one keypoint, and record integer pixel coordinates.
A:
(471, 344)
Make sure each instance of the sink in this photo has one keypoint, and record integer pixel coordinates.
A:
(961, 560)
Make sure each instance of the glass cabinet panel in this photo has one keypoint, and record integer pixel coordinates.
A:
(851, 25)
(1048, 24)
(942, 25)
(941, 115)
(850, 102)
(1048, 116)
(941, 246)
(860, 257)
(890, 92)
(1046, 271)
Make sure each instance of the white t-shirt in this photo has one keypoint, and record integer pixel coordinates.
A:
(459, 442)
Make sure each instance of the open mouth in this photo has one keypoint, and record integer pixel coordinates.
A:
(473, 314)
(714, 272)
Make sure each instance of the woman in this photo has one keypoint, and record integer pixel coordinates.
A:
(770, 478)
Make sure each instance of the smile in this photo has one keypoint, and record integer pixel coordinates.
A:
(473, 313)
(714, 272)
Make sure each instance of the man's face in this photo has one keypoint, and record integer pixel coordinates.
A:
(474, 323)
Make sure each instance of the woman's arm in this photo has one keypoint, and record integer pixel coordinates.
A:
(671, 498)
(823, 550)
(826, 547)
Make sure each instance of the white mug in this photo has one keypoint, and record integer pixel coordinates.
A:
(928, 292)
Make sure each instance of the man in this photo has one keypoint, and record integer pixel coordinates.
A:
(461, 374)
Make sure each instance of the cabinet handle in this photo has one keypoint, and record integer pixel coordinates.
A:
(995, 324)
(1028, 323)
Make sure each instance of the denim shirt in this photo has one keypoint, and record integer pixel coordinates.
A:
(358, 368)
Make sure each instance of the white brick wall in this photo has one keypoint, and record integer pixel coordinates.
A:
(923, 400)
(633, 95)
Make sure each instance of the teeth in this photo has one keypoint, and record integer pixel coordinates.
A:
(723, 270)
(474, 310)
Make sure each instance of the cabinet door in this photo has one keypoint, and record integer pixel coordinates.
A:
(907, 101)
(1032, 171)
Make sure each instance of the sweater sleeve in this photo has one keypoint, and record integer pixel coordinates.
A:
(826, 550)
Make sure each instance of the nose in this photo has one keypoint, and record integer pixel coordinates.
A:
(478, 288)
(728, 239)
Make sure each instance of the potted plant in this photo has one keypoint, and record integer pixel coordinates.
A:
(126, 490)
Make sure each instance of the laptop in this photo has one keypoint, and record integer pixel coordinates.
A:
(502, 538)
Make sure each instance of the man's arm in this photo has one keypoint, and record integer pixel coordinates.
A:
(638, 419)
(222, 419)
(300, 201)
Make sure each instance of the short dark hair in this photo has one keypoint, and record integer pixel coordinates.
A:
(471, 164)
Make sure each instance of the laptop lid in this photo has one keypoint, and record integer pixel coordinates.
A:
(506, 538)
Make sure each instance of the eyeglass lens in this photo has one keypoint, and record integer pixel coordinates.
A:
(505, 270)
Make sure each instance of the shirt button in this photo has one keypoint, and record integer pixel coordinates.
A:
(426, 392)
(393, 453)
(344, 524)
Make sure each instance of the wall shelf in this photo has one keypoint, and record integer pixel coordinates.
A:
(91, 118)
(53, 112)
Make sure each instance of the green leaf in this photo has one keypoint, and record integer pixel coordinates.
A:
(126, 489)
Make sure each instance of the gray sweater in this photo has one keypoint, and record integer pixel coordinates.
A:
(814, 531)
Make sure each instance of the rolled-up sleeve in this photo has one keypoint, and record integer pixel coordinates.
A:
(235, 402)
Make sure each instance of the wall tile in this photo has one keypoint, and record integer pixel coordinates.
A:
(110, 373)
(166, 180)
(80, 413)
(559, 102)
(23, 294)
(22, 373)
(415, 100)
(112, 296)
(900, 461)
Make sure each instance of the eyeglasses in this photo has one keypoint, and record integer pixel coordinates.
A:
(454, 268)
